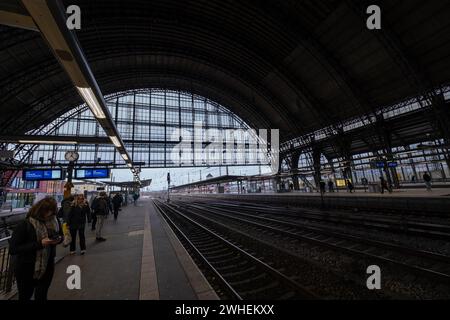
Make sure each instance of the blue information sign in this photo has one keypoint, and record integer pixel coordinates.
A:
(393, 164)
(42, 174)
(380, 164)
(100, 173)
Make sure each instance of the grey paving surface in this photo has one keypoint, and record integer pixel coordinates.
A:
(110, 270)
(173, 282)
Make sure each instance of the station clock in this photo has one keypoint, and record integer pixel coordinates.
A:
(71, 156)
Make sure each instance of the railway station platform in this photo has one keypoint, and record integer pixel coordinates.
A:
(407, 200)
(140, 260)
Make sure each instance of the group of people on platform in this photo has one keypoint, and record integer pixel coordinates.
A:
(384, 185)
(34, 240)
(322, 186)
(76, 211)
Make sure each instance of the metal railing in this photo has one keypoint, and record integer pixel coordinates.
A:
(7, 279)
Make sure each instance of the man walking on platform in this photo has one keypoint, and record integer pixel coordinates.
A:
(101, 207)
(384, 185)
(427, 179)
(322, 186)
(117, 203)
(330, 185)
(135, 198)
(93, 216)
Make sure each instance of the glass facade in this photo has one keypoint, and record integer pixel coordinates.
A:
(411, 162)
(150, 122)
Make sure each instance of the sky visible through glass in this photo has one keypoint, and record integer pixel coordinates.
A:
(180, 176)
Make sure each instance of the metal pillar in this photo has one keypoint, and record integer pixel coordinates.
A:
(385, 135)
(69, 185)
(316, 155)
(295, 157)
(344, 146)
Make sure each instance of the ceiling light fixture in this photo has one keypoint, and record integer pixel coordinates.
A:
(91, 100)
(115, 141)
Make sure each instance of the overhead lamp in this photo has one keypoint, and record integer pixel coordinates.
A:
(115, 141)
(129, 165)
(91, 100)
(125, 157)
(46, 142)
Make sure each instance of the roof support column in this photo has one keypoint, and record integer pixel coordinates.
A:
(344, 148)
(316, 156)
(385, 136)
(294, 159)
(276, 182)
(442, 115)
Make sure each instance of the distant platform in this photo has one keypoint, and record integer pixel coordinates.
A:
(435, 193)
(141, 260)
(417, 200)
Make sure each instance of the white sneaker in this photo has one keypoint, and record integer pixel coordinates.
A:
(83, 252)
(72, 253)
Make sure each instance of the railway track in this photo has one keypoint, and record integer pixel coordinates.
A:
(241, 275)
(8, 222)
(399, 224)
(420, 262)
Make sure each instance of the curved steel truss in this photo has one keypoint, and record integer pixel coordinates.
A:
(146, 118)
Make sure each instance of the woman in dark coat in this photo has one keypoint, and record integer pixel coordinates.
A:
(76, 220)
(33, 247)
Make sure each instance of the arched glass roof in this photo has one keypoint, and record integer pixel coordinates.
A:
(149, 122)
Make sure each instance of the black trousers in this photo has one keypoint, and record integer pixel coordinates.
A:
(116, 212)
(27, 285)
(73, 244)
(94, 221)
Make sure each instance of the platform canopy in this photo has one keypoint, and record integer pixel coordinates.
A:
(129, 184)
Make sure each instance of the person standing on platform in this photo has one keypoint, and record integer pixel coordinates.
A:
(101, 207)
(350, 186)
(330, 185)
(117, 203)
(427, 179)
(63, 212)
(79, 213)
(135, 198)
(384, 185)
(322, 187)
(33, 246)
(93, 216)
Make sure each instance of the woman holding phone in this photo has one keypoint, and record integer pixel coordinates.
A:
(33, 244)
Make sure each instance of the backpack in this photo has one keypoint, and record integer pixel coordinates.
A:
(64, 210)
(117, 200)
(100, 206)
